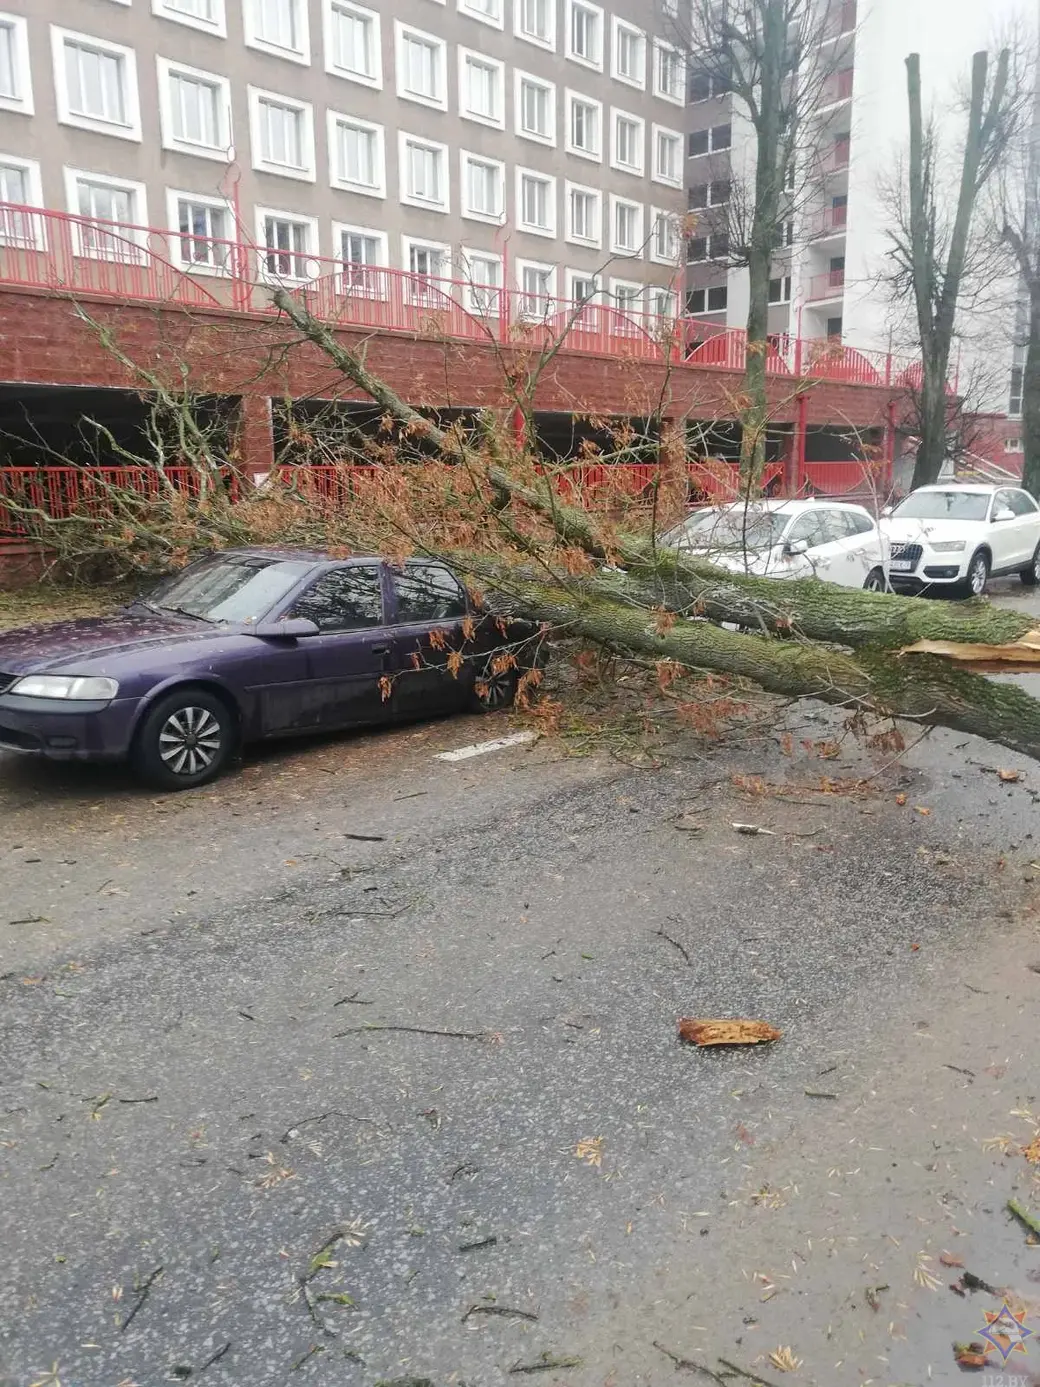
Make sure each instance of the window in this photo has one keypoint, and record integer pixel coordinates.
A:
(428, 592)
(780, 290)
(537, 289)
(704, 86)
(279, 27)
(484, 281)
(96, 84)
(20, 186)
(357, 159)
(1020, 501)
(347, 599)
(487, 11)
(584, 215)
(481, 83)
(667, 157)
(585, 33)
(207, 15)
(783, 235)
(664, 245)
(669, 73)
(584, 126)
(363, 255)
(718, 299)
(535, 109)
(426, 260)
(1017, 390)
(627, 226)
(628, 142)
(835, 327)
(709, 194)
(536, 202)
(15, 78)
(1014, 445)
(627, 297)
(715, 247)
(483, 188)
(283, 135)
(629, 53)
(115, 212)
(662, 302)
(287, 243)
(353, 44)
(707, 300)
(204, 232)
(535, 21)
(423, 172)
(194, 110)
(712, 141)
(421, 67)
(582, 288)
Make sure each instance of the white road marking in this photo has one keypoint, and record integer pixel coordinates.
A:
(463, 753)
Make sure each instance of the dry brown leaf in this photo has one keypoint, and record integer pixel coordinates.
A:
(922, 810)
(900, 799)
(590, 1151)
(704, 1032)
(1032, 1151)
(971, 1355)
(1009, 777)
(785, 1360)
(947, 1259)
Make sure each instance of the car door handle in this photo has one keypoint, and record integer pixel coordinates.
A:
(380, 650)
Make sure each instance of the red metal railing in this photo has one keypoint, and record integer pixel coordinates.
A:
(830, 221)
(827, 286)
(63, 491)
(837, 88)
(718, 480)
(836, 478)
(837, 157)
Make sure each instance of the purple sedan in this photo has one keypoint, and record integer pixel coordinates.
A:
(252, 644)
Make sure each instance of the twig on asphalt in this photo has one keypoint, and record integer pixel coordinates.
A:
(464, 1169)
(314, 1349)
(293, 1129)
(353, 998)
(507, 1311)
(688, 1365)
(545, 1364)
(215, 1357)
(488, 1036)
(366, 837)
(142, 1297)
(969, 1073)
(1031, 1221)
(476, 1246)
(674, 943)
(748, 1377)
(148, 1098)
(818, 1093)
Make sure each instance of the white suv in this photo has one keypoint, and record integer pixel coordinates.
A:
(832, 540)
(955, 537)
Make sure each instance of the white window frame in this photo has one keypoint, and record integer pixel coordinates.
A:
(676, 98)
(617, 249)
(595, 64)
(378, 289)
(653, 306)
(636, 170)
(256, 97)
(173, 197)
(403, 31)
(549, 232)
(618, 26)
(465, 56)
(519, 78)
(293, 55)
(474, 292)
(404, 138)
(637, 311)
(570, 235)
(438, 295)
(375, 79)
(549, 44)
(333, 119)
(167, 67)
(570, 97)
(552, 292)
(495, 21)
(132, 129)
(571, 276)
(36, 237)
(656, 132)
(673, 260)
(465, 210)
(23, 104)
(217, 26)
(310, 254)
(139, 190)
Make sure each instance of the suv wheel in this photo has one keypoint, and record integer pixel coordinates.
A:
(876, 581)
(978, 575)
(1031, 575)
(494, 690)
(185, 740)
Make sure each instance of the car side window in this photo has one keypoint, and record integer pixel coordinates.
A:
(858, 524)
(428, 592)
(1021, 502)
(835, 526)
(809, 527)
(1001, 501)
(344, 599)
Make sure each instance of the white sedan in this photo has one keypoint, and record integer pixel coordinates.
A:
(954, 537)
(832, 540)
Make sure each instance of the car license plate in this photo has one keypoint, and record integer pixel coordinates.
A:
(902, 566)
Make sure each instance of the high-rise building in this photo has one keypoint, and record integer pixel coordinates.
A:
(532, 144)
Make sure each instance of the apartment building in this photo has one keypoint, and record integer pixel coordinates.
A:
(530, 144)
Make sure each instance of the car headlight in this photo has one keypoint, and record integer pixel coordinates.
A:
(70, 687)
(948, 546)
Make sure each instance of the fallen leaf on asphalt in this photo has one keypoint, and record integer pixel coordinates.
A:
(785, 1360)
(1032, 1151)
(923, 1274)
(921, 809)
(1009, 777)
(590, 1151)
(915, 948)
(873, 1297)
(753, 830)
(971, 1355)
(900, 799)
(947, 1259)
(702, 1032)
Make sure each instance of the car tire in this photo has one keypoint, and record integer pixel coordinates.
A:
(978, 574)
(1031, 576)
(493, 691)
(185, 740)
(876, 581)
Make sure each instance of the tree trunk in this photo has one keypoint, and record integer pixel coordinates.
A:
(931, 450)
(1031, 395)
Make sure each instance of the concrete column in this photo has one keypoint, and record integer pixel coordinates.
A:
(253, 446)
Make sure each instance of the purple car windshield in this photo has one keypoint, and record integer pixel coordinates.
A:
(225, 588)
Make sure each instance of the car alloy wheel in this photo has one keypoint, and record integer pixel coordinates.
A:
(494, 689)
(190, 741)
(978, 573)
(875, 581)
(1031, 575)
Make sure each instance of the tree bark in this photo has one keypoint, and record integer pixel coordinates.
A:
(1031, 391)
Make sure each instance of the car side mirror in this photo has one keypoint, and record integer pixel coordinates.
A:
(1004, 513)
(294, 628)
(799, 546)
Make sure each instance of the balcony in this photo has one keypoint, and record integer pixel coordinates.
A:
(832, 221)
(826, 287)
(836, 159)
(840, 21)
(836, 89)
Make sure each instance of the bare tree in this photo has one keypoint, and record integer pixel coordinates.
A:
(938, 262)
(775, 59)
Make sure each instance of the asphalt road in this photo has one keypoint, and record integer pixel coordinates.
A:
(361, 1066)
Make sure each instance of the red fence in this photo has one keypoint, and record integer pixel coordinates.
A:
(60, 253)
(65, 491)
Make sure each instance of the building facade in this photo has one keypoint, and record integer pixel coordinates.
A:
(534, 145)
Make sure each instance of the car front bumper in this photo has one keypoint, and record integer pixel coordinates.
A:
(81, 731)
(929, 570)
